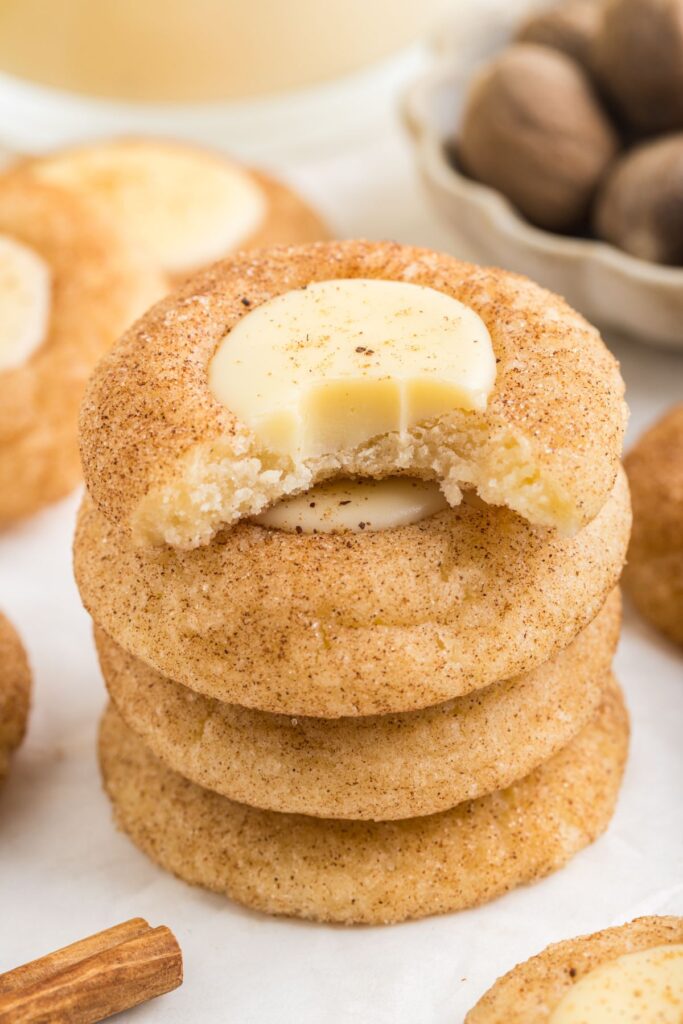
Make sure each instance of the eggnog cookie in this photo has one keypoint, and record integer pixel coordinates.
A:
(15, 692)
(68, 287)
(268, 373)
(183, 205)
(378, 767)
(369, 872)
(354, 623)
(628, 974)
(654, 572)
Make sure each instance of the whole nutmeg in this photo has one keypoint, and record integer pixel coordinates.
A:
(533, 129)
(638, 58)
(640, 206)
(571, 28)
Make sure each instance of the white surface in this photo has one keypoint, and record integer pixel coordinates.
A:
(66, 872)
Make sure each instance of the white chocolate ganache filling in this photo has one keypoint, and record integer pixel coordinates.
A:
(343, 506)
(332, 365)
(25, 288)
(637, 988)
(183, 207)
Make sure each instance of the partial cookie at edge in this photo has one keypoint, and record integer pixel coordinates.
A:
(15, 692)
(530, 992)
(653, 576)
(98, 287)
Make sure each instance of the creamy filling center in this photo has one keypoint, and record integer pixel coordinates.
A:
(330, 366)
(355, 506)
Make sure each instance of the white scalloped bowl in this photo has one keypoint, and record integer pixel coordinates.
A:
(612, 289)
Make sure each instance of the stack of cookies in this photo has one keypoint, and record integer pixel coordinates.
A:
(354, 524)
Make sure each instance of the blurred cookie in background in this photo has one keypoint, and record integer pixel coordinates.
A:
(69, 285)
(183, 206)
(653, 576)
(15, 692)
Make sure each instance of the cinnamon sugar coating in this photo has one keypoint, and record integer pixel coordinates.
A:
(369, 872)
(166, 461)
(654, 573)
(98, 287)
(352, 624)
(15, 692)
(530, 992)
(378, 767)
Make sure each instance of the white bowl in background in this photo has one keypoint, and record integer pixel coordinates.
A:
(611, 288)
(317, 121)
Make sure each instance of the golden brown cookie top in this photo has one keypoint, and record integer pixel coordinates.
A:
(530, 992)
(655, 471)
(169, 461)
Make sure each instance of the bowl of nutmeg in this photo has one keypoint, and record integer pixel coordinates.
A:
(561, 157)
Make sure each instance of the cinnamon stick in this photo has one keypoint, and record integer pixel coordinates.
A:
(47, 966)
(90, 980)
